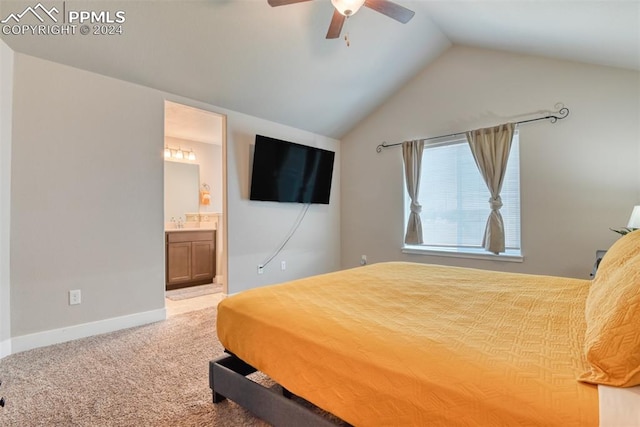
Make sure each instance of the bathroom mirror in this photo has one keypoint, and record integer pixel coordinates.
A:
(181, 189)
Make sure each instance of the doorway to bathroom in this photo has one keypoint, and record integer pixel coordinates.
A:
(194, 204)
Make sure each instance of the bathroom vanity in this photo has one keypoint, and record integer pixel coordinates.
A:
(190, 257)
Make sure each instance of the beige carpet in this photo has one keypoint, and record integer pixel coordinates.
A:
(153, 375)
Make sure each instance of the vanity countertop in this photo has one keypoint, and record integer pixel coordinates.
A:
(178, 230)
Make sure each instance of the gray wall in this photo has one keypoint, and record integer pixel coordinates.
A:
(87, 203)
(257, 228)
(578, 177)
(86, 197)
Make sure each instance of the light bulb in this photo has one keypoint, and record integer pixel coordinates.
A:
(179, 154)
(192, 155)
(167, 153)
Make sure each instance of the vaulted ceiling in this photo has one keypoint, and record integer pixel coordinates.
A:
(275, 63)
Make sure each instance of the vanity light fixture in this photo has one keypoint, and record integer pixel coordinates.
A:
(179, 154)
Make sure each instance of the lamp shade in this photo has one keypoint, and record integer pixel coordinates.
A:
(634, 221)
(347, 7)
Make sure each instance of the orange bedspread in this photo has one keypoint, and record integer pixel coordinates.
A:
(414, 344)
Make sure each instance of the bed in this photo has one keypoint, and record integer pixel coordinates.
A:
(414, 344)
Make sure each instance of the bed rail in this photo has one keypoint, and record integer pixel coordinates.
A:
(227, 380)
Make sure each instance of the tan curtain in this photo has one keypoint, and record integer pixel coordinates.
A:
(412, 156)
(490, 148)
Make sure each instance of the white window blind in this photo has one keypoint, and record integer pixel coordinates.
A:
(455, 199)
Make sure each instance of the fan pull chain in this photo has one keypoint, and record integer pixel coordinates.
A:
(346, 39)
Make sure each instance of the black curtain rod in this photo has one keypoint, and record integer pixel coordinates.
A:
(561, 114)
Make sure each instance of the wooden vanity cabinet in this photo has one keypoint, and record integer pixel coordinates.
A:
(190, 258)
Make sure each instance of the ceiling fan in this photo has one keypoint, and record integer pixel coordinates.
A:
(347, 8)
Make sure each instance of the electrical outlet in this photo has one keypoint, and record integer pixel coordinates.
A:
(260, 269)
(363, 260)
(75, 297)
(283, 265)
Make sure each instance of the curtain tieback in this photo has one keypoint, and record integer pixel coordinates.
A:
(496, 203)
(416, 208)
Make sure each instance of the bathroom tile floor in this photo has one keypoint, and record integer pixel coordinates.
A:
(192, 304)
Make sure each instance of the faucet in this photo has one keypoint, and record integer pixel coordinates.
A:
(177, 223)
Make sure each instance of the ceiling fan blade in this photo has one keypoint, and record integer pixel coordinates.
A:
(391, 9)
(274, 3)
(335, 28)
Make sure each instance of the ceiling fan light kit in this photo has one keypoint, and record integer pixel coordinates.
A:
(347, 8)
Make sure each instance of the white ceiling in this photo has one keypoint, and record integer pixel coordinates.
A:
(275, 63)
(192, 124)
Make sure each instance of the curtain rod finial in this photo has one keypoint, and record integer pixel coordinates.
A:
(562, 113)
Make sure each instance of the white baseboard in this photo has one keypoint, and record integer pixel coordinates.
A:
(56, 336)
(5, 348)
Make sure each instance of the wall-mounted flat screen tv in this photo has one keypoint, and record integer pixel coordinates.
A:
(292, 173)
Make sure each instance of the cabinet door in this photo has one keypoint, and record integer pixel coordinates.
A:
(179, 262)
(202, 260)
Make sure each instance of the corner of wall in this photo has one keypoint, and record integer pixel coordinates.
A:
(6, 113)
(5, 348)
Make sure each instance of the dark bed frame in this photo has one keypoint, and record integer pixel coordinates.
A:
(227, 380)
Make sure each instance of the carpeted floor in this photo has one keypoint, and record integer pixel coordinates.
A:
(153, 375)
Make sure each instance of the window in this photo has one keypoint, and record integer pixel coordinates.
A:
(455, 201)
